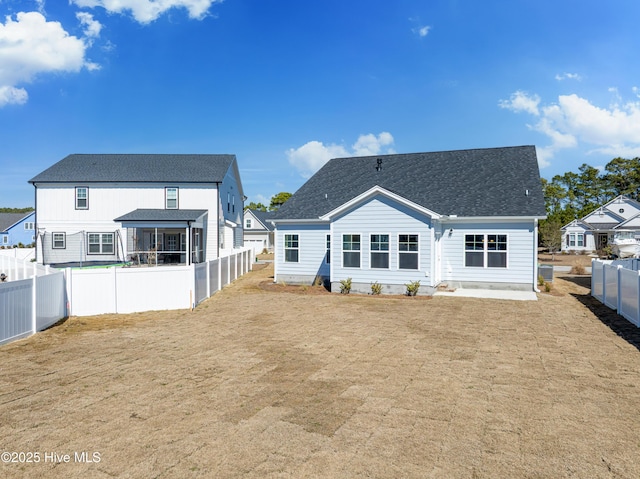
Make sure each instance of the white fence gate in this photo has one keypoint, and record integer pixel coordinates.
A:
(31, 305)
(617, 285)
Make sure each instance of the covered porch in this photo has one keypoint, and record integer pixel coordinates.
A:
(161, 237)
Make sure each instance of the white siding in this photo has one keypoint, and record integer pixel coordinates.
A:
(381, 215)
(311, 257)
(56, 208)
(520, 253)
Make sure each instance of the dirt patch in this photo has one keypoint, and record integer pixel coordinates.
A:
(261, 381)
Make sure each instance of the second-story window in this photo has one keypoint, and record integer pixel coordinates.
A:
(171, 198)
(82, 198)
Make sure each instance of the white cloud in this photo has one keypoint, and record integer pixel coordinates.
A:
(422, 31)
(29, 46)
(91, 27)
(146, 11)
(568, 76)
(311, 156)
(574, 121)
(521, 101)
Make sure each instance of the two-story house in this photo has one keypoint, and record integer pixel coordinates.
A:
(145, 208)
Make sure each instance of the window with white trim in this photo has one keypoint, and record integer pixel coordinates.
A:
(485, 250)
(351, 251)
(59, 240)
(29, 226)
(82, 198)
(291, 248)
(379, 249)
(408, 251)
(575, 239)
(5, 239)
(248, 223)
(100, 243)
(171, 198)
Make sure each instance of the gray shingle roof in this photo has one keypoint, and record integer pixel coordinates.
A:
(137, 168)
(480, 182)
(161, 215)
(7, 220)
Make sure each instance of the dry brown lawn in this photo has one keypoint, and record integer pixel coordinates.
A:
(266, 382)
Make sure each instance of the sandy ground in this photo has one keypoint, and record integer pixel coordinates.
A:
(262, 381)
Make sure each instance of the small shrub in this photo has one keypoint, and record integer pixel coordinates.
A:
(540, 280)
(318, 281)
(376, 288)
(345, 286)
(412, 287)
(547, 287)
(577, 269)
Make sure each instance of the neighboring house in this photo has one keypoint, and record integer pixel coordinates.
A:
(258, 230)
(596, 230)
(142, 207)
(461, 218)
(17, 228)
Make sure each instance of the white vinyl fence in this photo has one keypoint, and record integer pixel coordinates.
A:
(617, 285)
(33, 304)
(130, 290)
(36, 297)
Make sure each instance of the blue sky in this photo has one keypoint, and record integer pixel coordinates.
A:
(287, 84)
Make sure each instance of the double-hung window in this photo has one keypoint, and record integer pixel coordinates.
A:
(351, 251)
(100, 243)
(575, 239)
(82, 198)
(59, 240)
(291, 248)
(408, 251)
(380, 251)
(171, 198)
(488, 250)
(248, 223)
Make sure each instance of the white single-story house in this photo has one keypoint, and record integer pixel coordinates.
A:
(17, 228)
(144, 208)
(258, 230)
(595, 231)
(463, 219)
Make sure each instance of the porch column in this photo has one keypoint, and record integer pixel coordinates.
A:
(188, 244)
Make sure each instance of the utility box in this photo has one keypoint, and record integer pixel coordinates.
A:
(546, 271)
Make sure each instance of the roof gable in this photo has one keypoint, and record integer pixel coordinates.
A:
(262, 217)
(372, 193)
(8, 220)
(480, 183)
(126, 168)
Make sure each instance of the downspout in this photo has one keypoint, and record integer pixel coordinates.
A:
(35, 220)
(535, 256)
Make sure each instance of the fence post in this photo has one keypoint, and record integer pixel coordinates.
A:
(618, 300)
(241, 254)
(208, 263)
(68, 279)
(219, 268)
(228, 269)
(34, 302)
